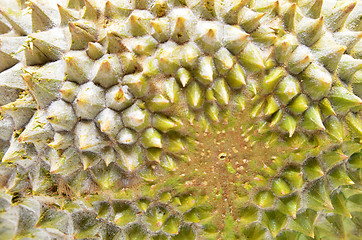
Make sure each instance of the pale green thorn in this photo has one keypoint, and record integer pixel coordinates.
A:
(313, 119)
(236, 77)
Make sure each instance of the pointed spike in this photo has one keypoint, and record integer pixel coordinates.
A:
(338, 17)
(76, 4)
(252, 58)
(151, 138)
(343, 100)
(284, 47)
(310, 31)
(299, 60)
(334, 128)
(271, 106)
(313, 8)
(236, 77)
(338, 176)
(183, 76)
(316, 81)
(66, 15)
(40, 20)
(249, 19)
(90, 12)
(287, 89)
(348, 66)
(289, 18)
(108, 72)
(289, 124)
(81, 35)
(161, 29)
(312, 119)
(299, 104)
(21, 23)
(273, 78)
(95, 50)
(235, 39)
(194, 95)
(354, 123)
(205, 70)
(304, 222)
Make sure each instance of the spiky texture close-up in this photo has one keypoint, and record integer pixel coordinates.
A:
(180, 119)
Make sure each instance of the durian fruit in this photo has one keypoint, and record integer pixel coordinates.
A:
(180, 119)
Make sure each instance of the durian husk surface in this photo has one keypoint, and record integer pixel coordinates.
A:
(180, 119)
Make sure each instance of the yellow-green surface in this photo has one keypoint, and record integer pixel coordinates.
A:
(172, 119)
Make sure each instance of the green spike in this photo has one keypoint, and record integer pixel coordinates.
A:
(113, 11)
(235, 39)
(66, 15)
(310, 31)
(40, 20)
(294, 175)
(326, 107)
(212, 112)
(312, 119)
(289, 17)
(289, 123)
(161, 29)
(348, 66)
(289, 205)
(284, 47)
(280, 187)
(339, 204)
(136, 83)
(271, 106)
(223, 60)
(343, 100)
(328, 52)
(82, 33)
(156, 217)
(90, 12)
(274, 221)
(251, 57)
(95, 50)
(221, 92)
(151, 138)
(287, 89)
(249, 19)
(334, 128)
(264, 199)
(183, 76)
(304, 222)
(312, 169)
(299, 104)
(312, 8)
(168, 163)
(239, 102)
(205, 70)
(338, 17)
(163, 123)
(172, 225)
(276, 118)
(273, 78)
(339, 177)
(254, 231)
(299, 60)
(316, 81)
(236, 77)
(194, 95)
(318, 196)
(180, 34)
(354, 123)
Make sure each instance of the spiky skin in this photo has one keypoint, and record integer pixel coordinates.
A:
(172, 119)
